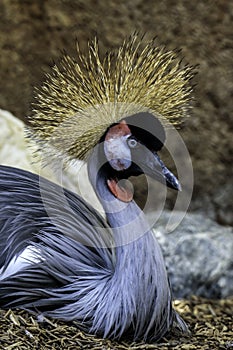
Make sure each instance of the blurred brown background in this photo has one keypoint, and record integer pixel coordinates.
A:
(33, 33)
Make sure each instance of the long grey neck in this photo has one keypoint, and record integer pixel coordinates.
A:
(139, 266)
(126, 219)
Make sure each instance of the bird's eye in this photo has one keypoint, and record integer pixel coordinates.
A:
(132, 142)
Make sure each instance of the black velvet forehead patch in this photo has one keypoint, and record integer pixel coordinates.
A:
(147, 129)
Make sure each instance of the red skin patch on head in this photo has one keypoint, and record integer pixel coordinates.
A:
(122, 193)
(121, 129)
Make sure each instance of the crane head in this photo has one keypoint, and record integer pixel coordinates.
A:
(131, 147)
(85, 95)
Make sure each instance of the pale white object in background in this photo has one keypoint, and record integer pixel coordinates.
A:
(15, 151)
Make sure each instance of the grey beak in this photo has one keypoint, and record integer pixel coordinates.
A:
(153, 166)
(170, 178)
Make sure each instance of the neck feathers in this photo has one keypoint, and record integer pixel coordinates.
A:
(139, 283)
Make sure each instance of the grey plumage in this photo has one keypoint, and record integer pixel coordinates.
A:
(58, 256)
(85, 271)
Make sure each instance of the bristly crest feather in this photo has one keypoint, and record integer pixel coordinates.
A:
(80, 99)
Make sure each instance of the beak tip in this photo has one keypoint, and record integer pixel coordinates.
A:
(176, 184)
(172, 181)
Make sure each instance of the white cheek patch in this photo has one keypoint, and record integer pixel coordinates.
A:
(118, 152)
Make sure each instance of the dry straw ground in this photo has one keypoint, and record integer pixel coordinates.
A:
(210, 321)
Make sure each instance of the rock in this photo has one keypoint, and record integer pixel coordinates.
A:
(199, 256)
(14, 150)
(17, 151)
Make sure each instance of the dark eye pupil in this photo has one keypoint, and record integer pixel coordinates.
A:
(132, 143)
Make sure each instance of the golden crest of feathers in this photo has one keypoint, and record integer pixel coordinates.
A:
(82, 97)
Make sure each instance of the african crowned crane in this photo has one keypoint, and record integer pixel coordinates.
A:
(58, 256)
